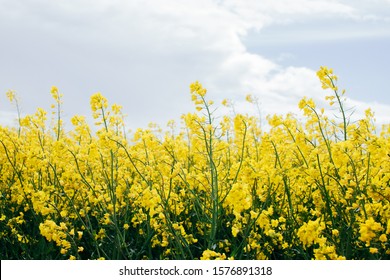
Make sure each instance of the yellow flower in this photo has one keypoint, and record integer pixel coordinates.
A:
(327, 78)
(212, 255)
(107, 219)
(98, 102)
(249, 98)
(54, 90)
(274, 223)
(11, 95)
(116, 108)
(383, 238)
(235, 231)
(368, 230)
(197, 88)
(64, 213)
(101, 234)
(373, 250)
(310, 233)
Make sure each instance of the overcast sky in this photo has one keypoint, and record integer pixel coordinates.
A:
(143, 54)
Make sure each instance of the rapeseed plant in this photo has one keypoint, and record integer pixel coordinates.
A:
(219, 188)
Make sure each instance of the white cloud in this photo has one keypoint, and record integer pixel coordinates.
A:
(144, 54)
(374, 10)
(381, 111)
(282, 10)
(8, 118)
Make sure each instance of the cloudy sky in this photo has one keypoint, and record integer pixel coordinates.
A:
(143, 54)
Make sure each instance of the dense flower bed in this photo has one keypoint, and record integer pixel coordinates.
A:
(218, 188)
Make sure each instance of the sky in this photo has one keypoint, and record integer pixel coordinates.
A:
(144, 54)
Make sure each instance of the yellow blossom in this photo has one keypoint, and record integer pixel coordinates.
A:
(373, 250)
(368, 230)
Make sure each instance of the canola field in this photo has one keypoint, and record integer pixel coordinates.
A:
(214, 187)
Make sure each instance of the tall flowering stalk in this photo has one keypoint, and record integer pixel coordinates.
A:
(328, 80)
(198, 94)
